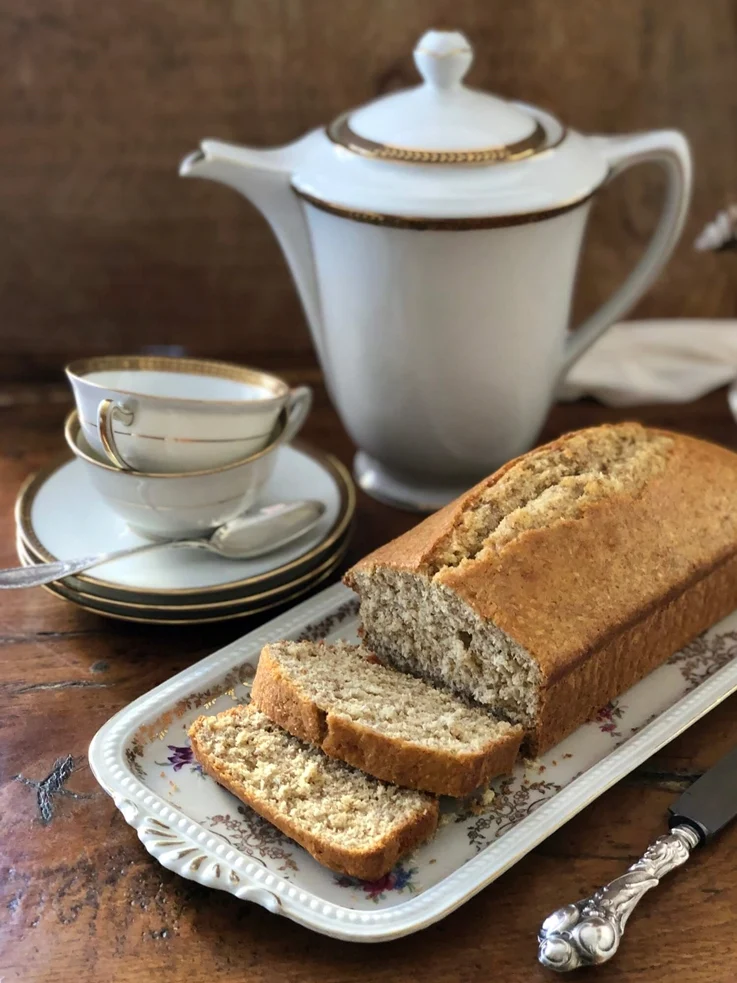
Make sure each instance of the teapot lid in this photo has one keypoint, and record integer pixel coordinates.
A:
(447, 156)
(440, 121)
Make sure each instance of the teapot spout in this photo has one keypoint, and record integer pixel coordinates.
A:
(264, 177)
(243, 168)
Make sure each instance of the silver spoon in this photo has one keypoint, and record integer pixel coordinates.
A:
(242, 538)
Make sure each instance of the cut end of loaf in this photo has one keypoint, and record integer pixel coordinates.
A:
(423, 628)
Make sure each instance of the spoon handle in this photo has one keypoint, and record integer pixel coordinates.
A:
(44, 573)
(296, 518)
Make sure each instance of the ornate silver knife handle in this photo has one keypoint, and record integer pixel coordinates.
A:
(588, 932)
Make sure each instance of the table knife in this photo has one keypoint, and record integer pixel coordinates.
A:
(588, 932)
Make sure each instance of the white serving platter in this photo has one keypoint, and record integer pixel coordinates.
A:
(192, 826)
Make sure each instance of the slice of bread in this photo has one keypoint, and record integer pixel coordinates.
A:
(348, 821)
(391, 725)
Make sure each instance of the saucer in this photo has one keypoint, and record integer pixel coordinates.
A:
(59, 515)
(249, 601)
(189, 614)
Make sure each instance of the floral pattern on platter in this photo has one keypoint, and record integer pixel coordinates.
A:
(318, 630)
(513, 801)
(256, 837)
(608, 716)
(706, 654)
(203, 701)
(133, 756)
(399, 879)
(159, 756)
(181, 756)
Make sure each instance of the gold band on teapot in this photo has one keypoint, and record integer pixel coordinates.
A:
(340, 132)
(425, 224)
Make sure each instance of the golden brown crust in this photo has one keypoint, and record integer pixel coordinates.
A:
(631, 655)
(599, 601)
(411, 551)
(427, 769)
(368, 864)
(390, 759)
(565, 591)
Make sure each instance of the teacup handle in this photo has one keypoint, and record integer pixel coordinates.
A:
(298, 407)
(669, 148)
(106, 412)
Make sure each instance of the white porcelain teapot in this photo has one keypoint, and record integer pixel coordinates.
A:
(434, 237)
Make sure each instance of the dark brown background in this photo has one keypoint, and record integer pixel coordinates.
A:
(103, 248)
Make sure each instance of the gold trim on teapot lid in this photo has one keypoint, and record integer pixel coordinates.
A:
(340, 132)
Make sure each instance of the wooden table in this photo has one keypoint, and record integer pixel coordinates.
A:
(82, 901)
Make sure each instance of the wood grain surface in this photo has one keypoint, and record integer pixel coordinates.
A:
(82, 902)
(104, 248)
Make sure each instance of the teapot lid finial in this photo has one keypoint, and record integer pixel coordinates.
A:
(443, 58)
(441, 121)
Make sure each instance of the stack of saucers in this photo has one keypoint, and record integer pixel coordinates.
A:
(149, 436)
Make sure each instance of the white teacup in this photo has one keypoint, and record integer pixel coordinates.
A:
(173, 506)
(174, 415)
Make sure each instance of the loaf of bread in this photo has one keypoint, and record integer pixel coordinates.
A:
(391, 725)
(568, 575)
(348, 821)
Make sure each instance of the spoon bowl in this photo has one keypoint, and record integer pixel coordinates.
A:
(248, 536)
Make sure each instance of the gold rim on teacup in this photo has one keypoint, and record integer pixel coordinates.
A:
(200, 413)
(73, 428)
(81, 368)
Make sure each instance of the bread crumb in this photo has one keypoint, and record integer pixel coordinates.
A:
(481, 803)
(535, 766)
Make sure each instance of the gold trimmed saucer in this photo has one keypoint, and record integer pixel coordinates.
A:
(178, 577)
(152, 615)
(275, 595)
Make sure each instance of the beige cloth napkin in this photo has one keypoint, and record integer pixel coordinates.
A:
(641, 362)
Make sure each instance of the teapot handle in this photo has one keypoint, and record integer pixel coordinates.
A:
(668, 148)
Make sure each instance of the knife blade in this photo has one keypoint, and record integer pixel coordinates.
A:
(711, 802)
(588, 932)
